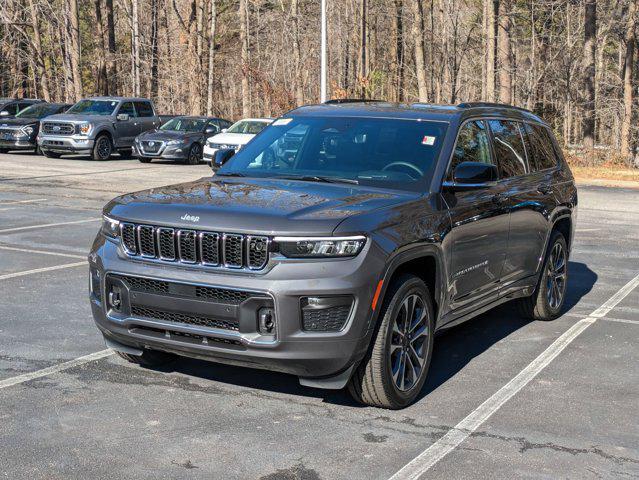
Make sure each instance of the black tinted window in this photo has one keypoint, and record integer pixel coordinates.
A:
(127, 108)
(12, 108)
(541, 153)
(472, 145)
(509, 148)
(144, 109)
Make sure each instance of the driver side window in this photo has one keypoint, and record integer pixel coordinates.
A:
(473, 145)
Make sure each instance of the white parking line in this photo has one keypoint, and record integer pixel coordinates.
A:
(41, 270)
(460, 432)
(44, 225)
(14, 202)
(8, 382)
(620, 320)
(42, 252)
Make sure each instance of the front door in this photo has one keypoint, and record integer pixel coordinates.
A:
(127, 130)
(477, 243)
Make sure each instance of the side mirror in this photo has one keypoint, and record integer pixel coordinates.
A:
(224, 130)
(123, 117)
(210, 130)
(472, 175)
(4, 113)
(220, 157)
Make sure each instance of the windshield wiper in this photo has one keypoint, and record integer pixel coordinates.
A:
(319, 178)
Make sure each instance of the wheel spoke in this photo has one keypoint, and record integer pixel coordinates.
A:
(422, 332)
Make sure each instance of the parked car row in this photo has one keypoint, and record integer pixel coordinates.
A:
(101, 126)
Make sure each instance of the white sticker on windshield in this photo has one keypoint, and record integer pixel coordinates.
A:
(282, 121)
(428, 140)
(113, 104)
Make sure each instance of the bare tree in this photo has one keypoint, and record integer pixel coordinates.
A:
(244, 40)
(504, 52)
(590, 33)
(628, 76)
(418, 37)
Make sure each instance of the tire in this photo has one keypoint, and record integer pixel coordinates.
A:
(102, 148)
(37, 150)
(548, 299)
(195, 154)
(373, 383)
(4, 150)
(149, 358)
(49, 154)
(144, 160)
(126, 153)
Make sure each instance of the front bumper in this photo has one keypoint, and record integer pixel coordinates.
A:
(290, 349)
(168, 152)
(208, 153)
(65, 143)
(21, 144)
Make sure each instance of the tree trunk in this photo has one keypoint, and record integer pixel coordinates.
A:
(39, 55)
(628, 70)
(590, 33)
(505, 53)
(491, 37)
(112, 83)
(244, 40)
(74, 25)
(209, 83)
(135, 48)
(398, 53)
(297, 55)
(418, 36)
(101, 80)
(153, 81)
(363, 47)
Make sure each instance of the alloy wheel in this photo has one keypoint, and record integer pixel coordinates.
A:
(104, 148)
(556, 276)
(409, 342)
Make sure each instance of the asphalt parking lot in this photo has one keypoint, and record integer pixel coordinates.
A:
(505, 398)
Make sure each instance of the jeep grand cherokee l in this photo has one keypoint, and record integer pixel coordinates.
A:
(339, 262)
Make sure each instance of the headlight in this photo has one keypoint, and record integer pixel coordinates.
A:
(174, 142)
(110, 227)
(84, 128)
(27, 130)
(298, 247)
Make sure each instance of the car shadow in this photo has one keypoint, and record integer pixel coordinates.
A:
(454, 349)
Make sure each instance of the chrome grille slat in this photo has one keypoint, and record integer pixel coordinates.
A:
(193, 247)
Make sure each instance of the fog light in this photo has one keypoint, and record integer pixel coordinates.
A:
(266, 321)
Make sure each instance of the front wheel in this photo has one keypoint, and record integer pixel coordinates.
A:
(394, 370)
(549, 296)
(102, 148)
(195, 154)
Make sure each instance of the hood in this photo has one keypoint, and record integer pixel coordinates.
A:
(17, 122)
(260, 206)
(167, 135)
(232, 138)
(79, 117)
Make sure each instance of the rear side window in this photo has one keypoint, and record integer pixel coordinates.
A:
(144, 109)
(473, 145)
(509, 148)
(127, 107)
(542, 154)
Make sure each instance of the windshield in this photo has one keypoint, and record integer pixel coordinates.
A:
(38, 110)
(94, 107)
(387, 153)
(181, 124)
(247, 126)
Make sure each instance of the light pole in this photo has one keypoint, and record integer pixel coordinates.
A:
(323, 55)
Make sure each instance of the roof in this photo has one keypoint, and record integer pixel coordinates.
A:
(417, 111)
(265, 120)
(118, 99)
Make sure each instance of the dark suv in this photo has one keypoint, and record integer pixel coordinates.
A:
(337, 242)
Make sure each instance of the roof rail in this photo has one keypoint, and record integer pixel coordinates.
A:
(491, 104)
(337, 101)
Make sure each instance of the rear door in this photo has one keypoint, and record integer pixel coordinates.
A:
(477, 242)
(127, 130)
(146, 116)
(525, 202)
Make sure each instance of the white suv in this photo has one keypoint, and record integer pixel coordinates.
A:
(235, 137)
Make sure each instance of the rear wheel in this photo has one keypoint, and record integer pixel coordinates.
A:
(394, 371)
(549, 296)
(49, 154)
(149, 358)
(102, 148)
(195, 154)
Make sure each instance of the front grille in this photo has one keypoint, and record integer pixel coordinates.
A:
(58, 128)
(325, 319)
(190, 319)
(151, 146)
(223, 295)
(211, 249)
(148, 285)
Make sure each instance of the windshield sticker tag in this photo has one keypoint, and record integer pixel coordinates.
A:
(428, 140)
(282, 121)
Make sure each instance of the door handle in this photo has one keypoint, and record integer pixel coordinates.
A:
(544, 189)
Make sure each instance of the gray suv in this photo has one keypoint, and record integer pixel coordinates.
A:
(337, 242)
(97, 126)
